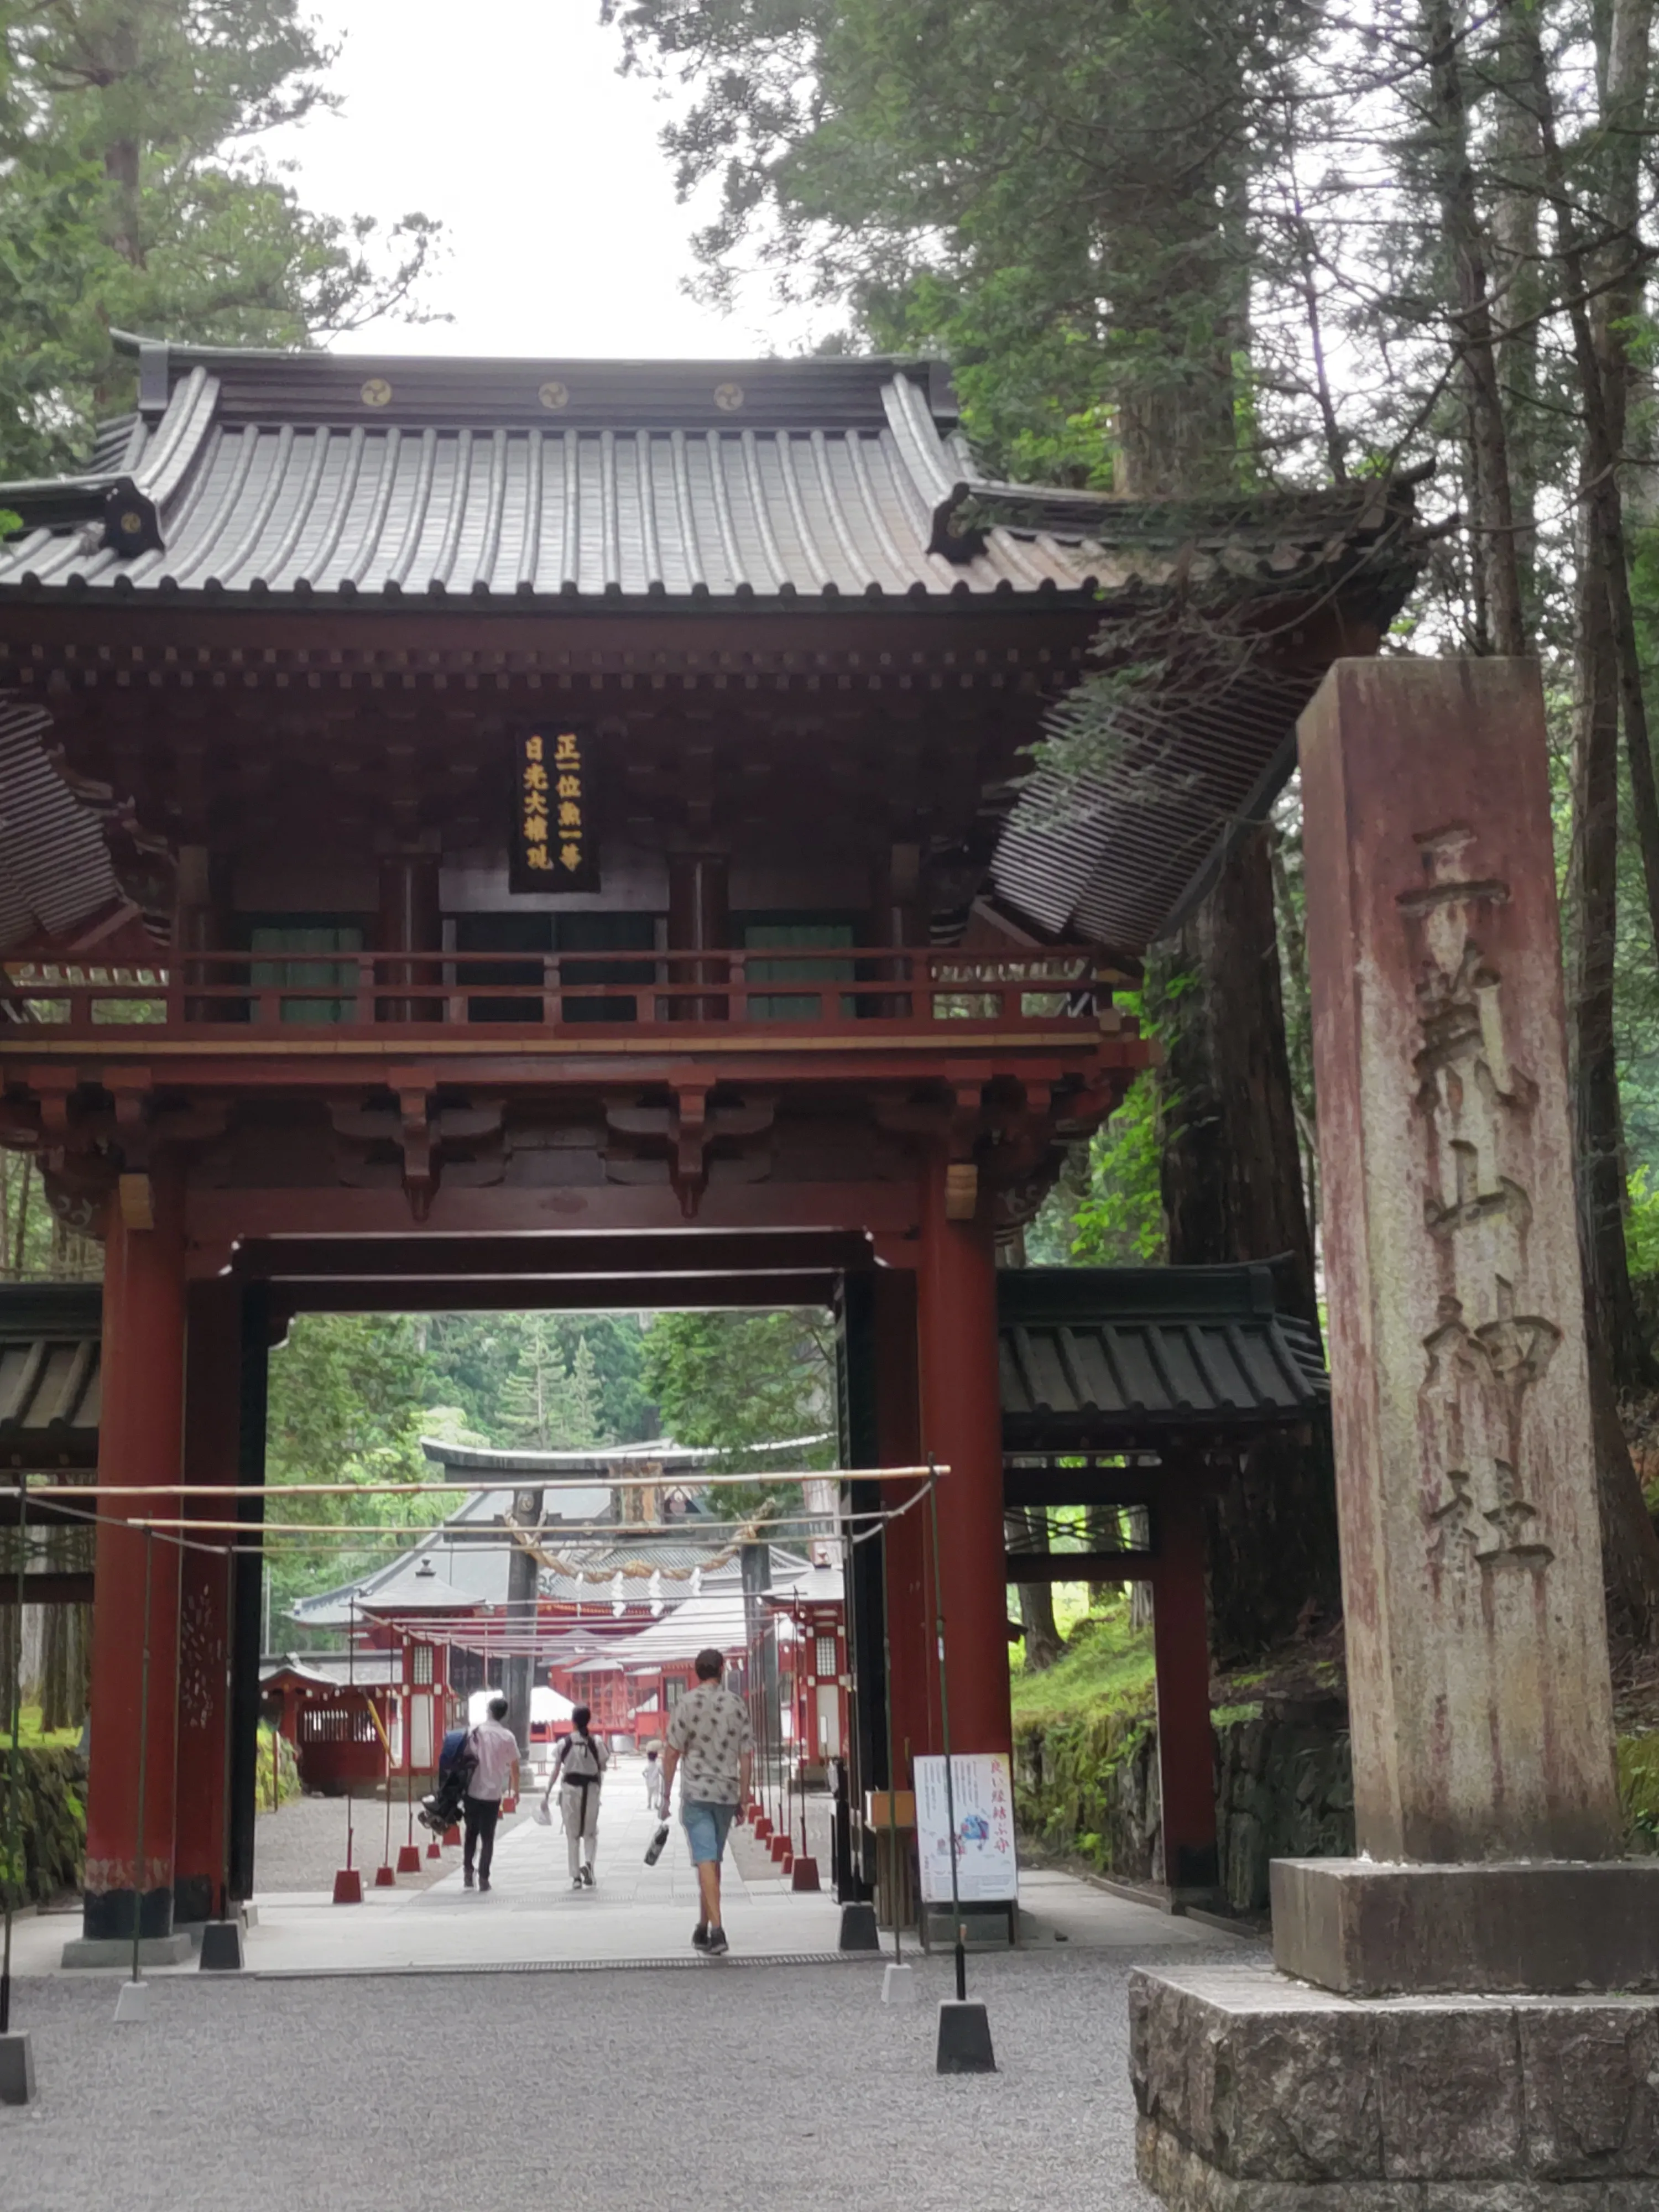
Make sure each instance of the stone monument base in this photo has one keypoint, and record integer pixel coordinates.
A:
(1257, 2093)
(1370, 1930)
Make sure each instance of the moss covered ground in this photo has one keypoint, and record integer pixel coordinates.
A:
(32, 1737)
(1107, 1667)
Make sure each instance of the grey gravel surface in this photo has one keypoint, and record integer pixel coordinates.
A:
(705, 2089)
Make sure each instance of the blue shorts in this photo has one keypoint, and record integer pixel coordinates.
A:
(707, 1826)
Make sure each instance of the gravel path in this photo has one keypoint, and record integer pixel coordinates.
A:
(709, 2089)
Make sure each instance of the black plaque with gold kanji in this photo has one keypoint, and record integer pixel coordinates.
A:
(555, 820)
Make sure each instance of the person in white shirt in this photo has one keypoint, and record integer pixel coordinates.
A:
(654, 1800)
(496, 1748)
(578, 1768)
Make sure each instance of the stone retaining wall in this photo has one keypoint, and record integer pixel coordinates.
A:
(1284, 1789)
(52, 1820)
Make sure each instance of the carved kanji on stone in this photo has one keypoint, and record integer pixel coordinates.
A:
(1475, 1102)
(1467, 1087)
(1473, 1404)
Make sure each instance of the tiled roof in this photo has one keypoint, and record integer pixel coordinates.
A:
(296, 474)
(55, 870)
(316, 479)
(1091, 1358)
(50, 1374)
(1107, 1358)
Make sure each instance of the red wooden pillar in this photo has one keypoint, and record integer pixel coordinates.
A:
(962, 1428)
(1181, 1646)
(139, 1433)
(914, 1689)
(212, 1416)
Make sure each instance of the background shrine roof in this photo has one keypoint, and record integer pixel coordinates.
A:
(301, 473)
(50, 1374)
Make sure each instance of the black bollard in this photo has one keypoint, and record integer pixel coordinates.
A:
(964, 2038)
(857, 1928)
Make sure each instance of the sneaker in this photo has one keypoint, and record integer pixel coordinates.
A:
(577, 1883)
(717, 1947)
(484, 1882)
(466, 1877)
(587, 1875)
(700, 1935)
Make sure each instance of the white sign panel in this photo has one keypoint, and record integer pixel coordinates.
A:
(982, 1789)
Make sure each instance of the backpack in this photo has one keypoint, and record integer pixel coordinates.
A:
(456, 1747)
(574, 1742)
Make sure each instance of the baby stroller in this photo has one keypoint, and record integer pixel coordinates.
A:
(456, 1764)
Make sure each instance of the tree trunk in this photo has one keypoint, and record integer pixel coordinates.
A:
(1519, 300)
(1611, 275)
(1629, 1543)
(1491, 517)
(65, 1643)
(1028, 1531)
(1592, 908)
(1103, 1531)
(1232, 1191)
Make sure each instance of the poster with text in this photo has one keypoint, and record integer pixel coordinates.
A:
(982, 1791)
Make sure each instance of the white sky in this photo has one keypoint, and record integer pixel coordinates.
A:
(506, 119)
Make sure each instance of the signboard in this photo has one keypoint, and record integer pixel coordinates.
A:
(983, 1790)
(554, 816)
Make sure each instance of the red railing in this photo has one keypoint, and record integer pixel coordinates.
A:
(793, 989)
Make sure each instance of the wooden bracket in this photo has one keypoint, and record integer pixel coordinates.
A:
(137, 1201)
(685, 1129)
(961, 1190)
(420, 1169)
(54, 1087)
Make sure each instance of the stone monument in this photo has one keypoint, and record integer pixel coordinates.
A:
(1461, 2015)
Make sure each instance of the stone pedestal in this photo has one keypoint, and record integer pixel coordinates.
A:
(1471, 2022)
(1257, 2094)
(1368, 1930)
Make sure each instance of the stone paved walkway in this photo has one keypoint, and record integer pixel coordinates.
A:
(635, 1916)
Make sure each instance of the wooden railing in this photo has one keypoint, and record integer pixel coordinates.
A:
(790, 990)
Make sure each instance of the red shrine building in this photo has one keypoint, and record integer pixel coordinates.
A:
(563, 833)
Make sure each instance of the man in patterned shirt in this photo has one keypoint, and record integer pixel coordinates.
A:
(709, 1737)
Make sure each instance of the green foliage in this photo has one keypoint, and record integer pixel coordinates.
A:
(551, 1401)
(1642, 1224)
(476, 1361)
(134, 194)
(1068, 1773)
(1638, 1788)
(346, 1406)
(277, 1771)
(1120, 1221)
(731, 1382)
(35, 1246)
(46, 1856)
(1042, 194)
(1106, 1209)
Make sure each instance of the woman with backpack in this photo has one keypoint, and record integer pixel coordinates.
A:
(579, 1765)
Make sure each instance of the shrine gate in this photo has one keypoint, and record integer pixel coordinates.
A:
(541, 833)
